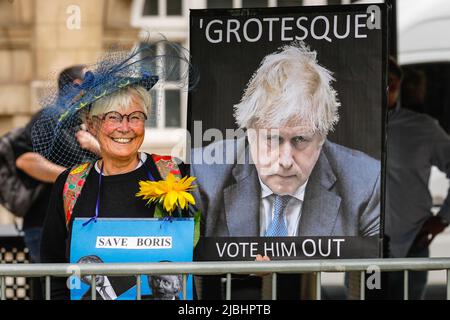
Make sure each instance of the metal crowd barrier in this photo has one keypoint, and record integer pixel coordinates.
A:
(215, 268)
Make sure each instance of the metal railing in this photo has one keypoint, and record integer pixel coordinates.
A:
(228, 268)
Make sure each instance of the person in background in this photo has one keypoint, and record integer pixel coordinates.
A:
(414, 90)
(40, 170)
(416, 142)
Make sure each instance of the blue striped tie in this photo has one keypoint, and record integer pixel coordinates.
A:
(277, 227)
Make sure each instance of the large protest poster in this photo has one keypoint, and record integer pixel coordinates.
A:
(128, 241)
(227, 48)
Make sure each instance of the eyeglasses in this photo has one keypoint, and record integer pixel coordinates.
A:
(115, 118)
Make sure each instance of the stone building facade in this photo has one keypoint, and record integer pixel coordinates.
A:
(38, 38)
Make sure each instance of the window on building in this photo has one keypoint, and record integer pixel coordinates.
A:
(153, 114)
(172, 66)
(168, 17)
(215, 4)
(156, 8)
(254, 3)
(174, 7)
(173, 105)
(289, 3)
(151, 8)
(167, 99)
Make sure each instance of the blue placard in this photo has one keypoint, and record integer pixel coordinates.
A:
(132, 240)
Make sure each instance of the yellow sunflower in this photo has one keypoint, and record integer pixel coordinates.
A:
(171, 193)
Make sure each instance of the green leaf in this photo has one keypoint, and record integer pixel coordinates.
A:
(197, 216)
(159, 212)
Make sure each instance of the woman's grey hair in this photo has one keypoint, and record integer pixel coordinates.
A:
(121, 100)
(289, 87)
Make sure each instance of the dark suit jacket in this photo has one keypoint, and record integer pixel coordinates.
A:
(342, 198)
(119, 284)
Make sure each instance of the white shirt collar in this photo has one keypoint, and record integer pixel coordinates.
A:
(299, 194)
(109, 290)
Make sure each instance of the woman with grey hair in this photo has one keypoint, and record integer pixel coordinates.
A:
(115, 108)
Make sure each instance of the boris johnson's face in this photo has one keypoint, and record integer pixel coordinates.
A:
(284, 157)
(165, 285)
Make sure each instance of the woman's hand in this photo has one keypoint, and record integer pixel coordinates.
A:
(87, 141)
(261, 258)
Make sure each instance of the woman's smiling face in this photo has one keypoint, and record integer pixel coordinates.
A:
(120, 131)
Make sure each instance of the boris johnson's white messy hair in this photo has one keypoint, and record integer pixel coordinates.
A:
(289, 87)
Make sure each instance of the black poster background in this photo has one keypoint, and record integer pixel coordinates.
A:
(286, 248)
(358, 65)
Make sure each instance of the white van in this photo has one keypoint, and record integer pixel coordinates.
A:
(423, 31)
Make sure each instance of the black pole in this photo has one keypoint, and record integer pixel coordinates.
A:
(392, 32)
